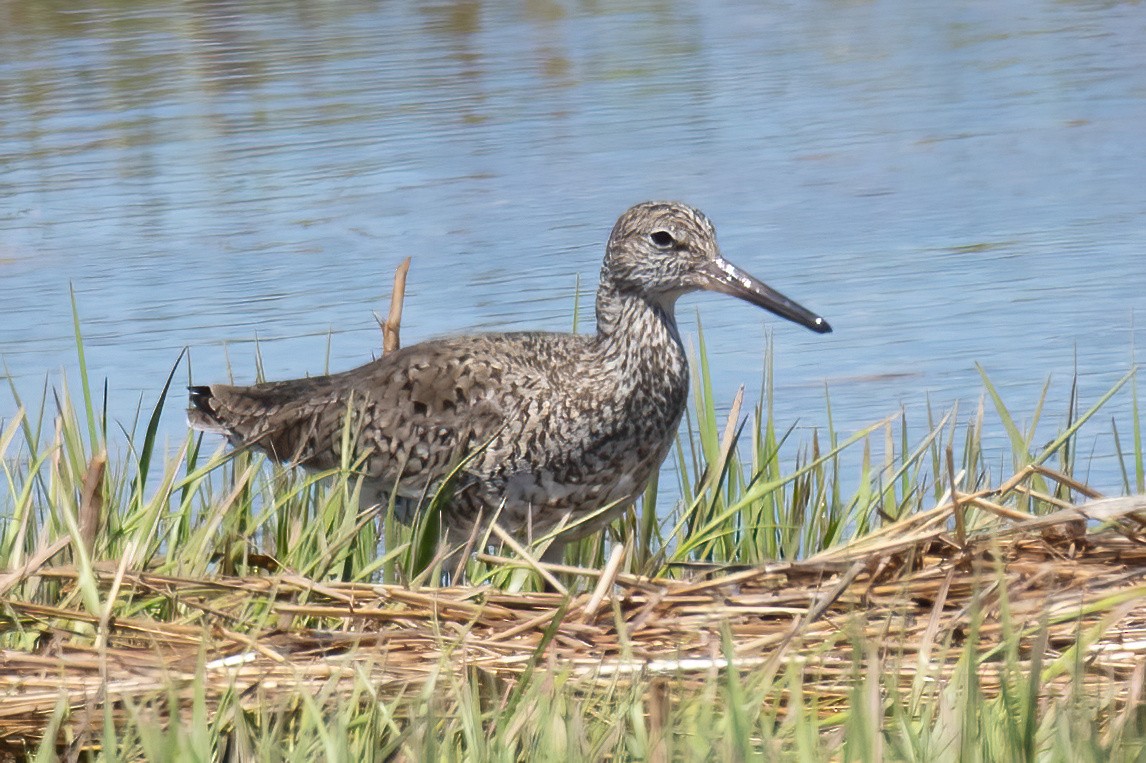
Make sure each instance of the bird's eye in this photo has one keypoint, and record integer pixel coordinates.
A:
(662, 239)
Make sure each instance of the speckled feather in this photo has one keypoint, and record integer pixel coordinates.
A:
(552, 427)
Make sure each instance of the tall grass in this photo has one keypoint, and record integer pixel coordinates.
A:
(83, 491)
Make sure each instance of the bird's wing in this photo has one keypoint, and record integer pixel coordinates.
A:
(408, 416)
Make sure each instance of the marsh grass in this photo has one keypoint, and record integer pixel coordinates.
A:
(204, 604)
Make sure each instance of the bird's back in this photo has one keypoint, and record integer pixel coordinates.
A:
(411, 415)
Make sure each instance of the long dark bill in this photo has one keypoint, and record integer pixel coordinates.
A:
(725, 277)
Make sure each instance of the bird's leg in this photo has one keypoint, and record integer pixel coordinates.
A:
(555, 553)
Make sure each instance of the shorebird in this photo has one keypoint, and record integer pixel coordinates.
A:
(541, 430)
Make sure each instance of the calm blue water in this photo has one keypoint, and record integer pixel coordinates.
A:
(946, 183)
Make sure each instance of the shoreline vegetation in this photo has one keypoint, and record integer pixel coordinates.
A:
(210, 605)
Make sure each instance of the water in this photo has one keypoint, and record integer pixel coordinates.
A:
(945, 184)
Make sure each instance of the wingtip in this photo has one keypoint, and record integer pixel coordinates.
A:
(201, 415)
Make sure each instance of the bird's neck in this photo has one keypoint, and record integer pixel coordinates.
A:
(638, 334)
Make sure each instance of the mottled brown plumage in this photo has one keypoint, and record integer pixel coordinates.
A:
(554, 426)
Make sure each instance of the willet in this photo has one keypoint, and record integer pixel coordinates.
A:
(544, 430)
